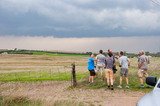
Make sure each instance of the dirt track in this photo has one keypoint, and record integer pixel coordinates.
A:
(52, 93)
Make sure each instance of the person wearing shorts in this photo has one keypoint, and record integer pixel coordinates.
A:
(124, 72)
(109, 70)
(100, 59)
(143, 62)
(142, 73)
(91, 68)
(124, 63)
(114, 64)
(92, 72)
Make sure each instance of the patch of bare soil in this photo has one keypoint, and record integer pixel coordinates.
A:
(54, 92)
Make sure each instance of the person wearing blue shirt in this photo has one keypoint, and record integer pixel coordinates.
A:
(91, 68)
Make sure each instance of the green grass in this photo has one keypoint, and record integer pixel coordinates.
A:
(38, 76)
(66, 76)
(133, 81)
(38, 52)
(58, 54)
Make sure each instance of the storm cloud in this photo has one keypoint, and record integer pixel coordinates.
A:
(79, 18)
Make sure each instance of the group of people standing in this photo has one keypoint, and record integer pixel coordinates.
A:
(105, 65)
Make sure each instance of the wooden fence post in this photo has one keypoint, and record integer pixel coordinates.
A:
(73, 76)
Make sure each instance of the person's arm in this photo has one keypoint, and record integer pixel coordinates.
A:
(114, 61)
(128, 61)
(105, 63)
(96, 58)
(148, 60)
(140, 63)
(120, 62)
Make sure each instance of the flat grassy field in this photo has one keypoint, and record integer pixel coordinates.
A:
(40, 68)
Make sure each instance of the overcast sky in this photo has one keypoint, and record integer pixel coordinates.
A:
(129, 44)
(79, 18)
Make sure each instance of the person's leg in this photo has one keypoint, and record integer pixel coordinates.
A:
(120, 82)
(127, 82)
(141, 79)
(114, 77)
(103, 73)
(98, 70)
(120, 79)
(107, 75)
(122, 76)
(94, 74)
(92, 78)
(142, 82)
(101, 70)
(145, 76)
(89, 79)
(126, 77)
(111, 79)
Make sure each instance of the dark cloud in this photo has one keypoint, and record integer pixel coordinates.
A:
(79, 18)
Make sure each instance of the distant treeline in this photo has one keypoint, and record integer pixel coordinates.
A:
(17, 51)
(131, 55)
(41, 52)
(38, 52)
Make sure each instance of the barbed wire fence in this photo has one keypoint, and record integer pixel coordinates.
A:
(55, 73)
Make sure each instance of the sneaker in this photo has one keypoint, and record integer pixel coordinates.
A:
(148, 86)
(119, 86)
(112, 87)
(89, 83)
(127, 86)
(108, 86)
(141, 86)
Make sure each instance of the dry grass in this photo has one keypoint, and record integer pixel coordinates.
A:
(19, 63)
(57, 92)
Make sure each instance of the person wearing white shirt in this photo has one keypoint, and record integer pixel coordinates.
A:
(124, 63)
